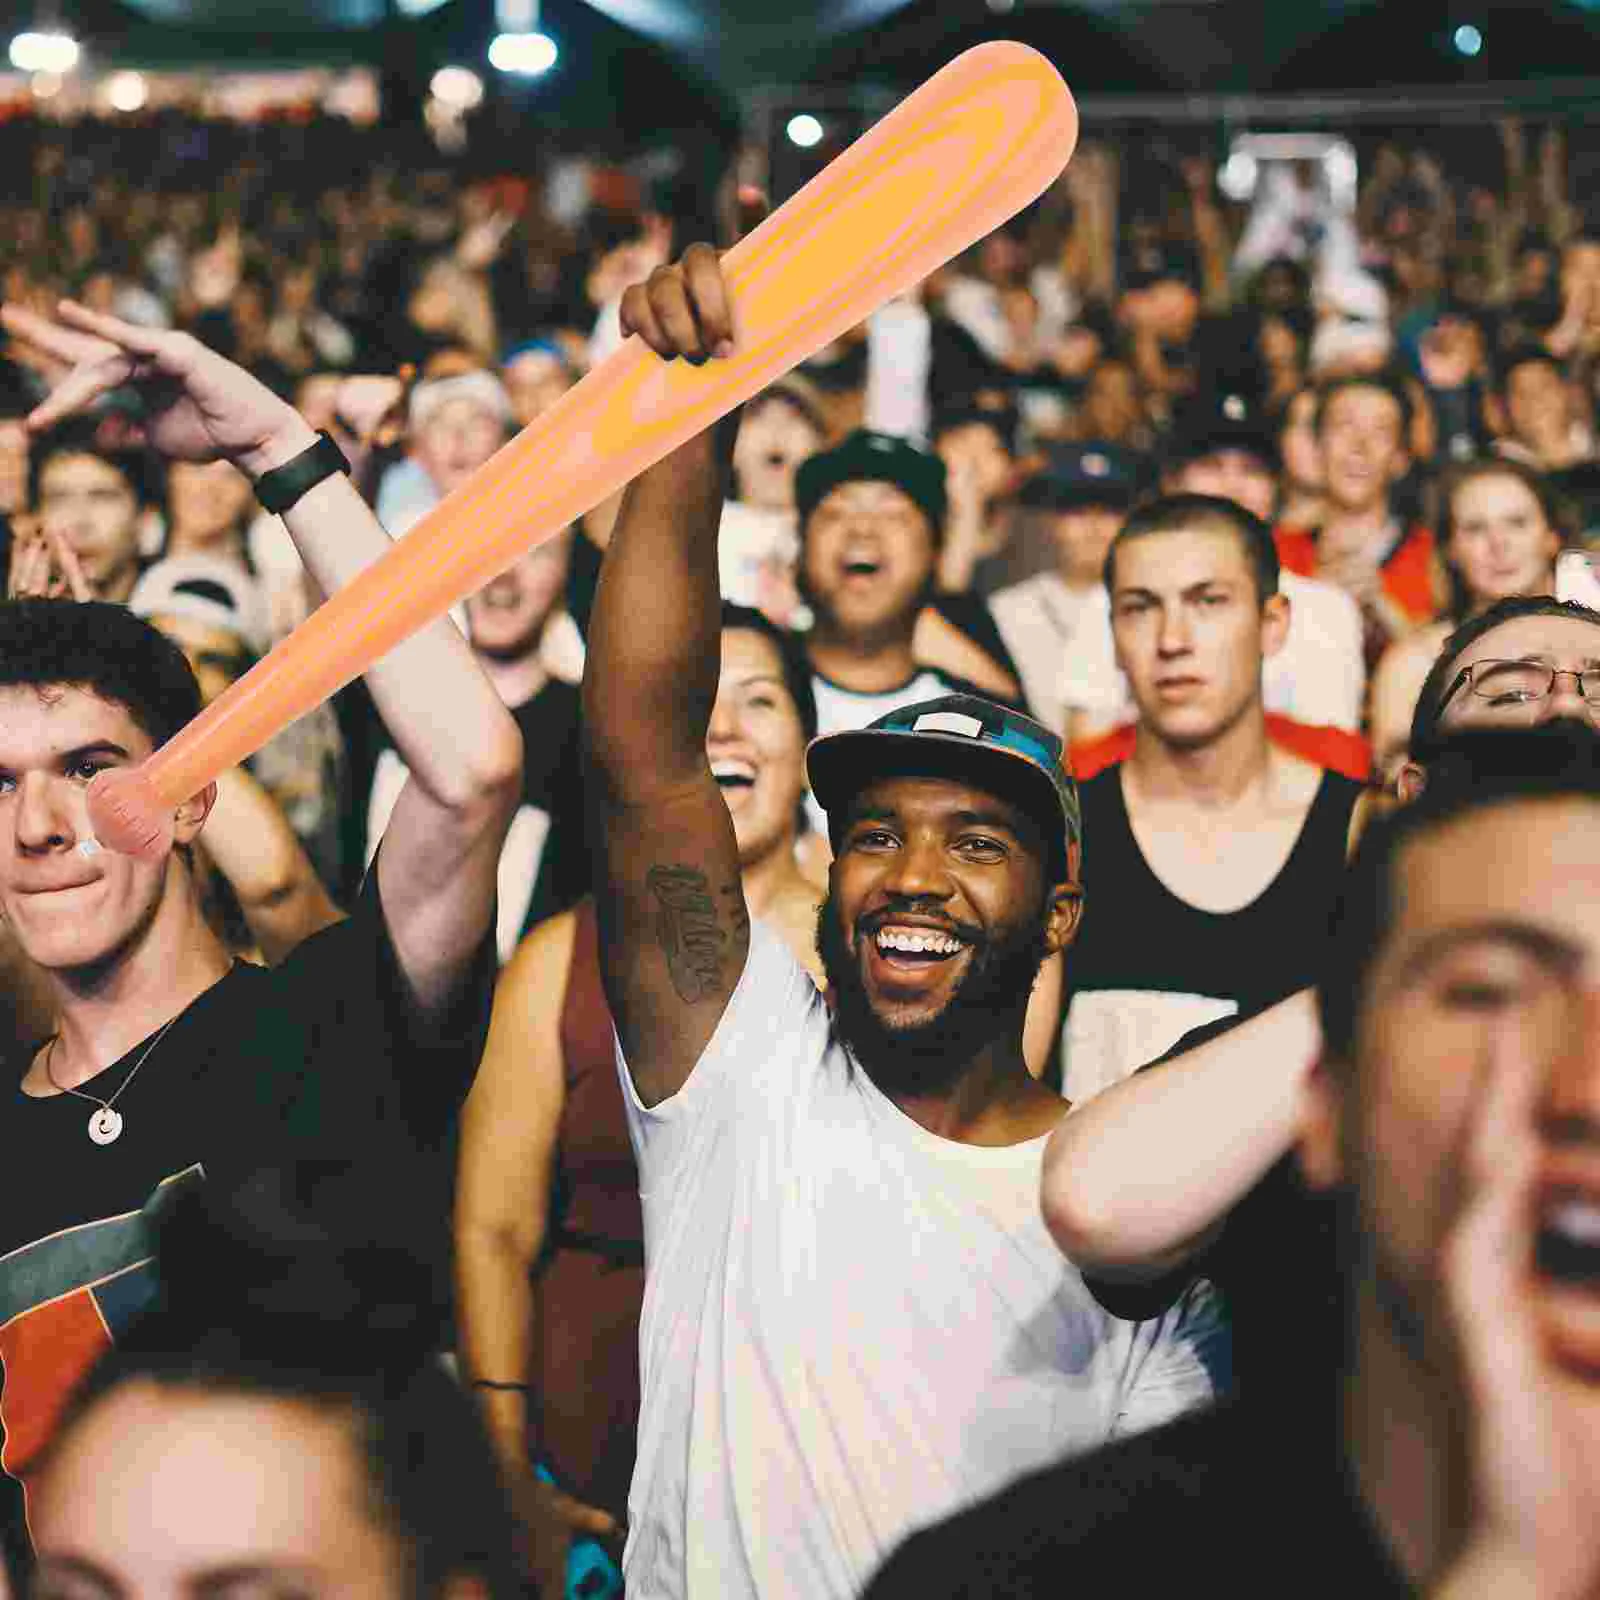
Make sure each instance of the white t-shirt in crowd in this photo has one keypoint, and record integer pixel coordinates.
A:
(852, 1327)
(841, 710)
(1044, 624)
(1318, 678)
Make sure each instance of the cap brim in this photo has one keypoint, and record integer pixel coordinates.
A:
(1118, 497)
(840, 765)
(1215, 442)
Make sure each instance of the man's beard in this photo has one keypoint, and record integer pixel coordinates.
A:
(929, 1057)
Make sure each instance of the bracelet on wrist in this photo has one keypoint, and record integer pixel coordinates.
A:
(280, 489)
(502, 1388)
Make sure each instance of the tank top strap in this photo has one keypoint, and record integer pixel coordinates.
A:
(1317, 861)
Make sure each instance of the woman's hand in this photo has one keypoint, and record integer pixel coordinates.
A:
(45, 567)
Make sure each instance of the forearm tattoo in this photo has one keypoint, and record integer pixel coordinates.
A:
(692, 932)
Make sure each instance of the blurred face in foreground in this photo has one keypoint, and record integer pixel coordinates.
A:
(1496, 927)
(160, 1494)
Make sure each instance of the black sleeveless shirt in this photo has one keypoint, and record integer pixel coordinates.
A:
(1147, 967)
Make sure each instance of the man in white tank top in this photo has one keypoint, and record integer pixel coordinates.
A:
(854, 1320)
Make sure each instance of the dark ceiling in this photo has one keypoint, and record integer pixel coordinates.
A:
(639, 62)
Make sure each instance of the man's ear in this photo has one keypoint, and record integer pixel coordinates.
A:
(1276, 614)
(1064, 916)
(191, 815)
(1321, 1142)
(1410, 782)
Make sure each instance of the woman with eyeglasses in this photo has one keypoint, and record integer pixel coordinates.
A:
(1500, 535)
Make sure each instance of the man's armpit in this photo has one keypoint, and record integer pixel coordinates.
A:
(698, 929)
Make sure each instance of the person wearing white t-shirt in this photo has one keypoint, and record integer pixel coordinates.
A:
(1057, 624)
(854, 1321)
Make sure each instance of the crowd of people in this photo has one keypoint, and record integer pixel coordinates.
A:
(989, 966)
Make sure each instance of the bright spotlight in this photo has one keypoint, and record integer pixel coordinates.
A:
(127, 91)
(526, 54)
(460, 88)
(45, 85)
(44, 52)
(1468, 40)
(804, 131)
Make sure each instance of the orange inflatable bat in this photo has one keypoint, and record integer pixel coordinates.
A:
(980, 140)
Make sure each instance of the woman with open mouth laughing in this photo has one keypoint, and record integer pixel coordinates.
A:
(547, 1102)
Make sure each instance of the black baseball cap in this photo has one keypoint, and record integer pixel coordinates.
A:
(958, 736)
(868, 457)
(1094, 474)
(1218, 421)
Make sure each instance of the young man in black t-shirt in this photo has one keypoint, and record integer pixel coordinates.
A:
(1457, 1115)
(171, 1064)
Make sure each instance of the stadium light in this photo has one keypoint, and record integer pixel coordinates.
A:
(55, 53)
(804, 131)
(524, 54)
(1468, 39)
(460, 88)
(127, 91)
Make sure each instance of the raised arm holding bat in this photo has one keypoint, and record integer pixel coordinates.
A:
(170, 1063)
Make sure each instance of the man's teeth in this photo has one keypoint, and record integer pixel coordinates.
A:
(1576, 1220)
(923, 943)
(733, 772)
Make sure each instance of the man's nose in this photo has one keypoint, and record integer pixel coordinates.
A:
(1566, 698)
(41, 820)
(1573, 1095)
(919, 871)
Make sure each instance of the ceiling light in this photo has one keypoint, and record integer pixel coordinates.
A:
(804, 130)
(526, 54)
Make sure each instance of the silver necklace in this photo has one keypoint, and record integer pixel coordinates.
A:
(105, 1126)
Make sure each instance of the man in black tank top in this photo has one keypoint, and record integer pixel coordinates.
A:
(1217, 857)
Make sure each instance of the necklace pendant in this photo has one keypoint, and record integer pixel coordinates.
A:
(105, 1126)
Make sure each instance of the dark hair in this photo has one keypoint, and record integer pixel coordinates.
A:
(1387, 382)
(1202, 513)
(791, 653)
(1523, 355)
(1425, 719)
(1457, 478)
(105, 650)
(259, 1297)
(86, 436)
(1475, 769)
(1002, 421)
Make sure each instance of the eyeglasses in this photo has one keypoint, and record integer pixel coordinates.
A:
(1507, 684)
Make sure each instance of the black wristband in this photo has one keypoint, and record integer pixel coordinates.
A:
(279, 489)
(514, 1388)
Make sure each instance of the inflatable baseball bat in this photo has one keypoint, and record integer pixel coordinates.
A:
(977, 142)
